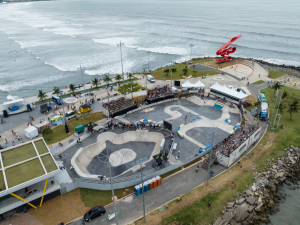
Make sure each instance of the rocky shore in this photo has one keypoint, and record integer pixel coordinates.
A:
(262, 198)
(283, 67)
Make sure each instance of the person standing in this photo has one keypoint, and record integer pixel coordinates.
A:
(197, 169)
(209, 204)
(178, 153)
(185, 117)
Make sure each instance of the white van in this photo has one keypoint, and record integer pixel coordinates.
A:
(70, 115)
(174, 90)
(150, 78)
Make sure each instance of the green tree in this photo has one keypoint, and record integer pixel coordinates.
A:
(293, 108)
(185, 70)
(276, 86)
(123, 89)
(130, 87)
(95, 82)
(166, 71)
(46, 133)
(107, 79)
(118, 78)
(174, 70)
(284, 95)
(74, 110)
(56, 90)
(72, 88)
(130, 76)
(42, 95)
(281, 108)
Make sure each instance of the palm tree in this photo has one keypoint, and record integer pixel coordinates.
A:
(56, 90)
(284, 95)
(95, 82)
(118, 78)
(42, 95)
(281, 108)
(130, 76)
(166, 71)
(72, 88)
(107, 79)
(293, 108)
(276, 86)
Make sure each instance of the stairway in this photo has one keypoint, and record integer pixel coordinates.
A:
(205, 163)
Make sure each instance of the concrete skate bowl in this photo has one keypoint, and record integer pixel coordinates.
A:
(123, 149)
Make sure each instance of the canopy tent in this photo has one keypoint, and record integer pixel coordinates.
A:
(199, 84)
(187, 84)
(31, 132)
(227, 92)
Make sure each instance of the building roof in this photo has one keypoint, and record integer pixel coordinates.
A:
(231, 92)
(24, 165)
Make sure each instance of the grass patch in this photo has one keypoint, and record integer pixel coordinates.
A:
(170, 173)
(2, 183)
(273, 74)
(59, 132)
(200, 212)
(258, 82)
(48, 163)
(24, 172)
(90, 89)
(159, 74)
(41, 147)
(18, 154)
(92, 198)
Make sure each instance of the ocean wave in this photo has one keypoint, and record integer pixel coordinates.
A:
(78, 25)
(61, 68)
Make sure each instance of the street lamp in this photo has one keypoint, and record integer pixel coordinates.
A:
(172, 62)
(191, 45)
(210, 134)
(148, 60)
(144, 68)
(66, 123)
(82, 77)
(140, 162)
(253, 112)
(121, 44)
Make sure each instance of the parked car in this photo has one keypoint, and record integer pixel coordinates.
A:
(93, 213)
(3, 146)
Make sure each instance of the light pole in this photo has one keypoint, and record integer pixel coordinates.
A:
(111, 185)
(140, 162)
(172, 62)
(66, 123)
(148, 60)
(273, 111)
(210, 133)
(253, 113)
(82, 77)
(278, 106)
(144, 68)
(191, 45)
(121, 44)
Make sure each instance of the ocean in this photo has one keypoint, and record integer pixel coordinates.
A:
(43, 44)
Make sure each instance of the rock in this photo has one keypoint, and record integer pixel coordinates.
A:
(279, 174)
(240, 214)
(257, 209)
(271, 204)
(241, 200)
(253, 188)
(227, 217)
(250, 209)
(245, 206)
(282, 179)
(230, 204)
(268, 160)
(219, 221)
(265, 181)
(259, 201)
(250, 200)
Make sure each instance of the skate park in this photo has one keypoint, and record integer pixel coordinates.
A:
(124, 146)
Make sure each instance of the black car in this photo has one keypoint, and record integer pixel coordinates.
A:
(3, 146)
(94, 212)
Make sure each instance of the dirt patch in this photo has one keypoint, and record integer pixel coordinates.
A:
(251, 99)
(64, 208)
(215, 185)
(216, 64)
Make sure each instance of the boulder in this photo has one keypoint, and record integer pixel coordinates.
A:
(253, 188)
(230, 204)
(227, 216)
(257, 209)
(250, 200)
(240, 214)
(241, 201)
(271, 204)
(219, 221)
(279, 174)
(249, 192)
(259, 200)
(250, 209)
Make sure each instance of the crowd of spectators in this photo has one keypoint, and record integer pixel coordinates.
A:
(138, 125)
(159, 92)
(235, 140)
(116, 105)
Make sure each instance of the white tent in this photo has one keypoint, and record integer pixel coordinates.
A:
(224, 90)
(187, 84)
(31, 132)
(16, 102)
(199, 84)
